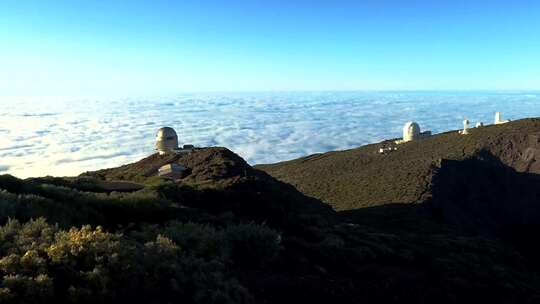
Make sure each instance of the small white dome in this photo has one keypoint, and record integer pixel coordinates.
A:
(411, 131)
(166, 140)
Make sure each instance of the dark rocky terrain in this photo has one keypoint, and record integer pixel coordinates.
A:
(447, 219)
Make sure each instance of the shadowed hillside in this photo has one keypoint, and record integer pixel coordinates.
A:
(485, 183)
(217, 179)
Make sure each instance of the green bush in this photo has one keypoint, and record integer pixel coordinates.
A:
(42, 263)
(12, 184)
(69, 206)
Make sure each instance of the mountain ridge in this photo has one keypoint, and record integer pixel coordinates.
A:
(362, 177)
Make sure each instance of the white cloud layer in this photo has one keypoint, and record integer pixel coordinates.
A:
(67, 137)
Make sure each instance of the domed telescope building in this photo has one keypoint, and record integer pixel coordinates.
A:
(412, 132)
(166, 141)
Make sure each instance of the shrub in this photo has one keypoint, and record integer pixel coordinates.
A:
(12, 184)
(41, 263)
(251, 245)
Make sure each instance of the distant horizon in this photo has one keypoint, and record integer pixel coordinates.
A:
(502, 91)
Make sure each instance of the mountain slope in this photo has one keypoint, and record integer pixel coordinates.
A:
(362, 177)
(219, 180)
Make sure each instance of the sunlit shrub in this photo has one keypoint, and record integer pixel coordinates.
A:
(40, 262)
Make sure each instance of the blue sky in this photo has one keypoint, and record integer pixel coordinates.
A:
(168, 47)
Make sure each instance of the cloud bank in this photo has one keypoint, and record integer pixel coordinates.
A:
(68, 137)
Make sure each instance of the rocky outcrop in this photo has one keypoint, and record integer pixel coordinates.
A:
(206, 165)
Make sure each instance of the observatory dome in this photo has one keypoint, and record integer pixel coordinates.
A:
(166, 140)
(411, 131)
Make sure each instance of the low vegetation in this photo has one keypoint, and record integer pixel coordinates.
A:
(64, 245)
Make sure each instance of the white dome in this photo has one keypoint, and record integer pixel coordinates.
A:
(166, 140)
(411, 131)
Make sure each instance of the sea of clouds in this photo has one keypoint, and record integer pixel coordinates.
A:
(65, 137)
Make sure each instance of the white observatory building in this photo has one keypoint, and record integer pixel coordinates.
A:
(411, 131)
(166, 141)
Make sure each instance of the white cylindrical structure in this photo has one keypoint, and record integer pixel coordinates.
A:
(498, 119)
(465, 127)
(166, 140)
(411, 131)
